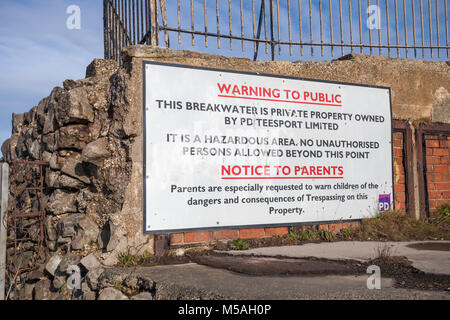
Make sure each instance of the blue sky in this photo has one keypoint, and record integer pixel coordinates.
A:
(38, 51)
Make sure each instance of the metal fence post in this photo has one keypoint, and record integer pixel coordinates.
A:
(4, 173)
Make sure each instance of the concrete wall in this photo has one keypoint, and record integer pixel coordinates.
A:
(420, 92)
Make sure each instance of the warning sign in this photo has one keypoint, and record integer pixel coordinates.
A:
(227, 149)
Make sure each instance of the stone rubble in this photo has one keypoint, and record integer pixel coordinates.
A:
(79, 129)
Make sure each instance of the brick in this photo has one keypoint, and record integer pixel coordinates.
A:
(226, 234)
(433, 160)
(442, 186)
(400, 197)
(399, 187)
(438, 177)
(251, 233)
(270, 232)
(398, 143)
(199, 236)
(432, 204)
(323, 227)
(431, 186)
(440, 169)
(429, 151)
(335, 227)
(444, 160)
(398, 153)
(354, 224)
(444, 143)
(399, 178)
(176, 238)
(441, 152)
(435, 195)
(399, 206)
(432, 143)
(440, 203)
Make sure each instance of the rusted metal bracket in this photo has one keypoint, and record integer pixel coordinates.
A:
(405, 128)
(423, 129)
(26, 220)
(161, 245)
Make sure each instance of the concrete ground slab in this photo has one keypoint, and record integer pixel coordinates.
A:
(429, 261)
(193, 281)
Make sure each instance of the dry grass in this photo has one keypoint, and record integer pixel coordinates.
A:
(384, 252)
(398, 226)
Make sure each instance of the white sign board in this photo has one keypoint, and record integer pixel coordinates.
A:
(226, 149)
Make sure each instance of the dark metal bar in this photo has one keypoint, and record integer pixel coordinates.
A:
(414, 27)
(331, 27)
(142, 19)
(131, 31)
(446, 25)
(230, 24)
(105, 29)
(156, 22)
(265, 26)
(272, 31)
(192, 21)
(206, 22)
(360, 26)
(300, 24)
(258, 35)
(341, 26)
(311, 27)
(387, 28)
(278, 25)
(179, 21)
(430, 24)
(242, 25)
(218, 24)
(134, 23)
(406, 26)
(370, 29)
(396, 27)
(321, 27)
(421, 19)
(253, 23)
(289, 25)
(351, 23)
(437, 28)
(379, 27)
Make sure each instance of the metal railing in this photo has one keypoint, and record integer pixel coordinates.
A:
(285, 28)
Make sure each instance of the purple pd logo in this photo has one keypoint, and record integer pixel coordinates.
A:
(384, 202)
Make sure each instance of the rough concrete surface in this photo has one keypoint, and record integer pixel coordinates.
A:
(429, 261)
(193, 281)
(417, 87)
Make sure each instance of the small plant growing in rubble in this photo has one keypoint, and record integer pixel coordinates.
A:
(326, 235)
(444, 210)
(292, 236)
(126, 259)
(239, 245)
(346, 232)
(384, 252)
(145, 255)
(307, 235)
